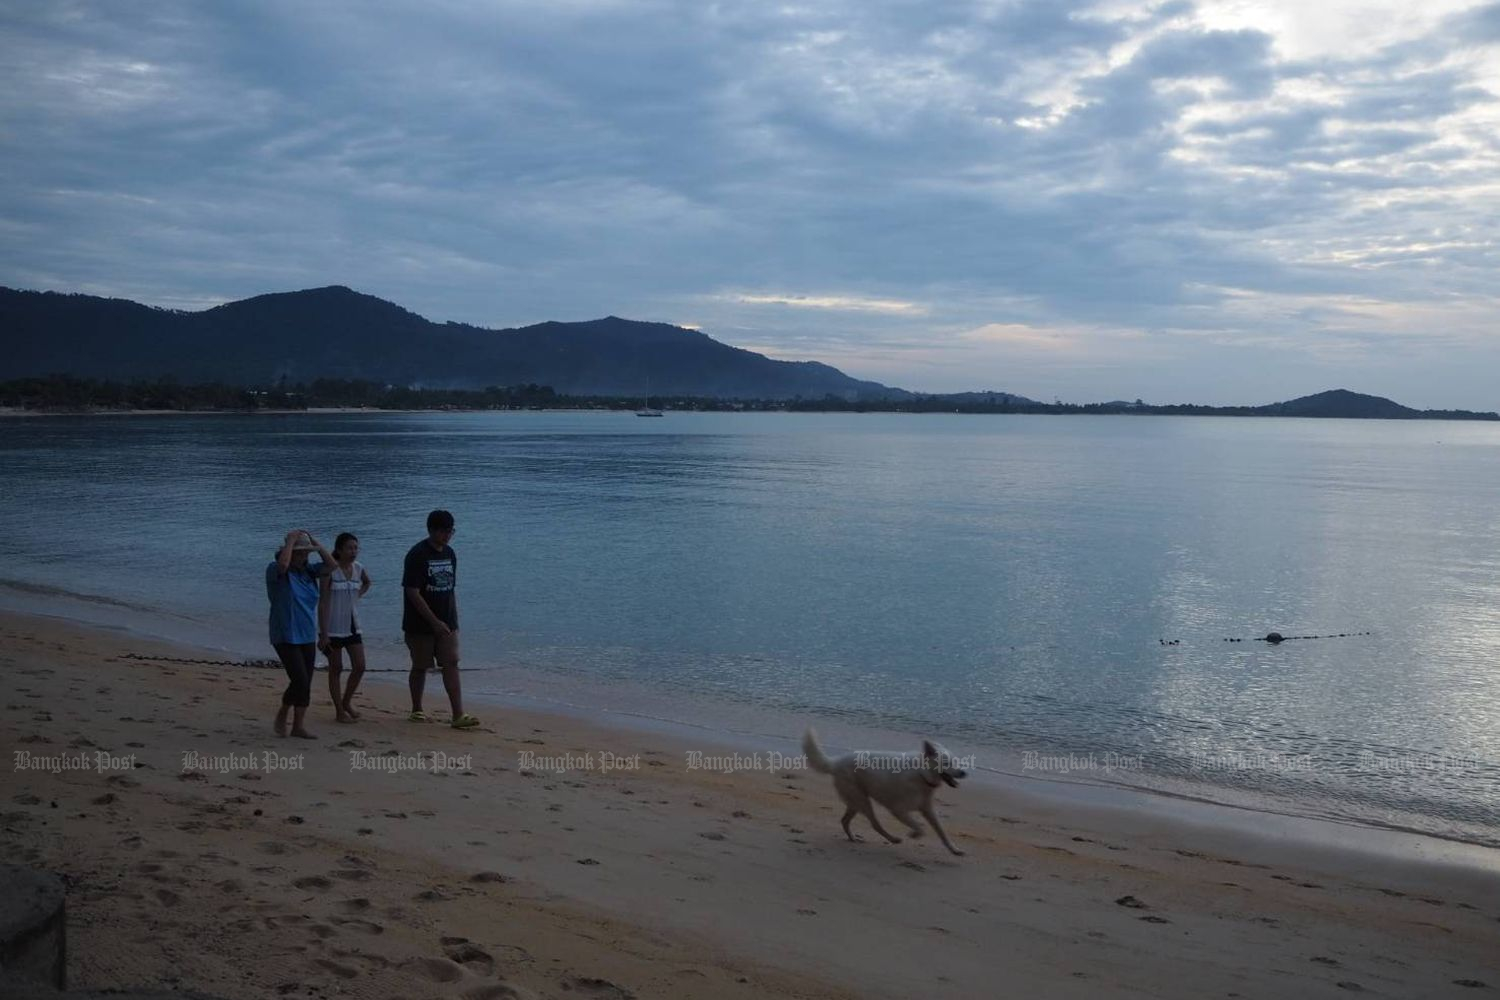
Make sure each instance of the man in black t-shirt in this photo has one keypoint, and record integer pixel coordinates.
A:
(430, 618)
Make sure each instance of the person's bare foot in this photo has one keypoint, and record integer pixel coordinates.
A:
(353, 715)
(281, 723)
(344, 717)
(303, 734)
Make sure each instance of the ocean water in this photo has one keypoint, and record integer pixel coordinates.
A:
(1055, 594)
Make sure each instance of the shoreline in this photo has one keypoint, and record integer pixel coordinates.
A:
(20, 411)
(1483, 417)
(656, 878)
(735, 726)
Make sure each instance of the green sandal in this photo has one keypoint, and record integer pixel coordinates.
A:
(417, 717)
(465, 722)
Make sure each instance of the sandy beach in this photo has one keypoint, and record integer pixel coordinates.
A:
(556, 857)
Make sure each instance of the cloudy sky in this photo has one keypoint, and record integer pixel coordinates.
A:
(1224, 201)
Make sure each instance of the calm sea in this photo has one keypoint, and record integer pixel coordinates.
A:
(1056, 593)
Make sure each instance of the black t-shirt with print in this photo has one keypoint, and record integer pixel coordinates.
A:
(435, 573)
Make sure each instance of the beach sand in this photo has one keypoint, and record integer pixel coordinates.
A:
(490, 879)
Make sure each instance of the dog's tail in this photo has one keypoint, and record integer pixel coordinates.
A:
(815, 757)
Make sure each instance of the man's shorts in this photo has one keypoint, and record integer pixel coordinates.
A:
(345, 641)
(429, 651)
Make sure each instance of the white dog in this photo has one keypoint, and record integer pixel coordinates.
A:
(902, 782)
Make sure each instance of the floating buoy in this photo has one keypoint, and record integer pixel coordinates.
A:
(1274, 637)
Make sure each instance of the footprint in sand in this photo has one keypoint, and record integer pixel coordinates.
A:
(166, 897)
(342, 971)
(271, 847)
(352, 874)
(370, 962)
(357, 905)
(471, 957)
(362, 926)
(438, 970)
(432, 896)
(591, 987)
(488, 877)
(317, 882)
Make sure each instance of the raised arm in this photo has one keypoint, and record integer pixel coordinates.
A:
(323, 553)
(284, 557)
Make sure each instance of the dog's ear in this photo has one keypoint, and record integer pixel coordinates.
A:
(928, 750)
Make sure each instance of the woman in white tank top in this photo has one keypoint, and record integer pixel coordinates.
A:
(338, 622)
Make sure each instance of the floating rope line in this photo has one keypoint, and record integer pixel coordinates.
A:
(1275, 638)
(204, 663)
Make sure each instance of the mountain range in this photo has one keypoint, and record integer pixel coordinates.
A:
(338, 333)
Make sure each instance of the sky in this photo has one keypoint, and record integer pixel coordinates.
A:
(1222, 201)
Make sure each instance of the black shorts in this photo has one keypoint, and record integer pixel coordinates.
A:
(345, 641)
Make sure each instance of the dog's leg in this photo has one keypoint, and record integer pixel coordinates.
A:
(869, 812)
(927, 811)
(911, 824)
(849, 813)
(854, 802)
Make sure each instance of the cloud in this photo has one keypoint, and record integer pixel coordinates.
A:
(860, 180)
(835, 303)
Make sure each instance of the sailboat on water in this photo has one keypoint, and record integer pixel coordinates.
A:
(646, 409)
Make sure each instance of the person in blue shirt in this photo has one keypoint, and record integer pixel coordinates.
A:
(292, 585)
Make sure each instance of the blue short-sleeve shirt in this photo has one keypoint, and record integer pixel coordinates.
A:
(294, 602)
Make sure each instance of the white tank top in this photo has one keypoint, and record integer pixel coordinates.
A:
(343, 594)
